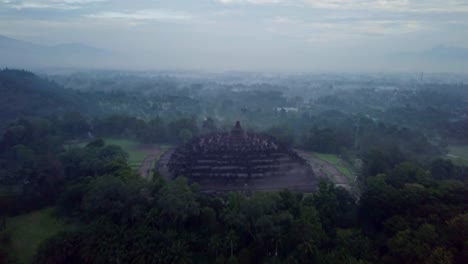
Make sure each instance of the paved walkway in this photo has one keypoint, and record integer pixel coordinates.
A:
(326, 170)
(153, 154)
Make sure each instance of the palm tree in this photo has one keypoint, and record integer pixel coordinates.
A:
(215, 244)
(178, 253)
(231, 238)
(307, 248)
(277, 239)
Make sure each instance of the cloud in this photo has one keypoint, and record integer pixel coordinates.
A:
(48, 4)
(140, 15)
(419, 6)
(327, 30)
(255, 2)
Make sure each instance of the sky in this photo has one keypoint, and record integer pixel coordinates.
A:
(245, 35)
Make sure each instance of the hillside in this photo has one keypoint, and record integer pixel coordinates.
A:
(25, 94)
(19, 53)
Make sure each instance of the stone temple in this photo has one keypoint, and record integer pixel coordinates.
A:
(240, 161)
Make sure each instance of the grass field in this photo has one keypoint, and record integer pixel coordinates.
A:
(137, 152)
(459, 154)
(29, 230)
(135, 156)
(345, 171)
(163, 148)
(330, 158)
(337, 163)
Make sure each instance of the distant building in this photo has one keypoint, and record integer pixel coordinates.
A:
(287, 109)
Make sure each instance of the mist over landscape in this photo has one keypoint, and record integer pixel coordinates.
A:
(234, 131)
(210, 35)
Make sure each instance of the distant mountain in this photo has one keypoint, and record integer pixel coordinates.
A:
(447, 52)
(78, 48)
(440, 58)
(13, 45)
(17, 53)
(440, 52)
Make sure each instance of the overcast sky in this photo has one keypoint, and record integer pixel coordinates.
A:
(258, 35)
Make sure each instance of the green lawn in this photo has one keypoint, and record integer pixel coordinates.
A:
(330, 158)
(126, 144)
(336, 162)
(29, 230)
(345, 171)
(459, 154)
(135, 156)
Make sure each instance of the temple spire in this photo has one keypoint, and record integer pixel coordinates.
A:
(237, 133)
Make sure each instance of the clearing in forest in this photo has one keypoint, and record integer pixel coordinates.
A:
(27, 231)
(141, 157)
(458, 154)
(331, 167)
(337, 162)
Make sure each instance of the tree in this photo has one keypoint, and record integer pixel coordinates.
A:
(439, 256)
(209, 125)
(114, 199)
(443, 169)
(176, 127)
(306, 235)
(378, 162)
(156, 131)
(97, 143)
(283, 133)
(179, 253)
(177, 202)
(208, 219)
(231, 238)
(74, 125)
(407, 173)
(62, 248)
(457, 232)
(185, 135)
(334, 205)
(216, 244)
(352, 242)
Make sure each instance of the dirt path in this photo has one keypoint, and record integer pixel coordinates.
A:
(162, 164)
(153, 154)
(324, 169)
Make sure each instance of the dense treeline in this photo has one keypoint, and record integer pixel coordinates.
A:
(436, 111)
(403, 216)
(24, 94)
(342, 135)
(156, 130)
(35, 163)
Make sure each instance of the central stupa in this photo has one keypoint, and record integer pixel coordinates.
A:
(239, 160)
